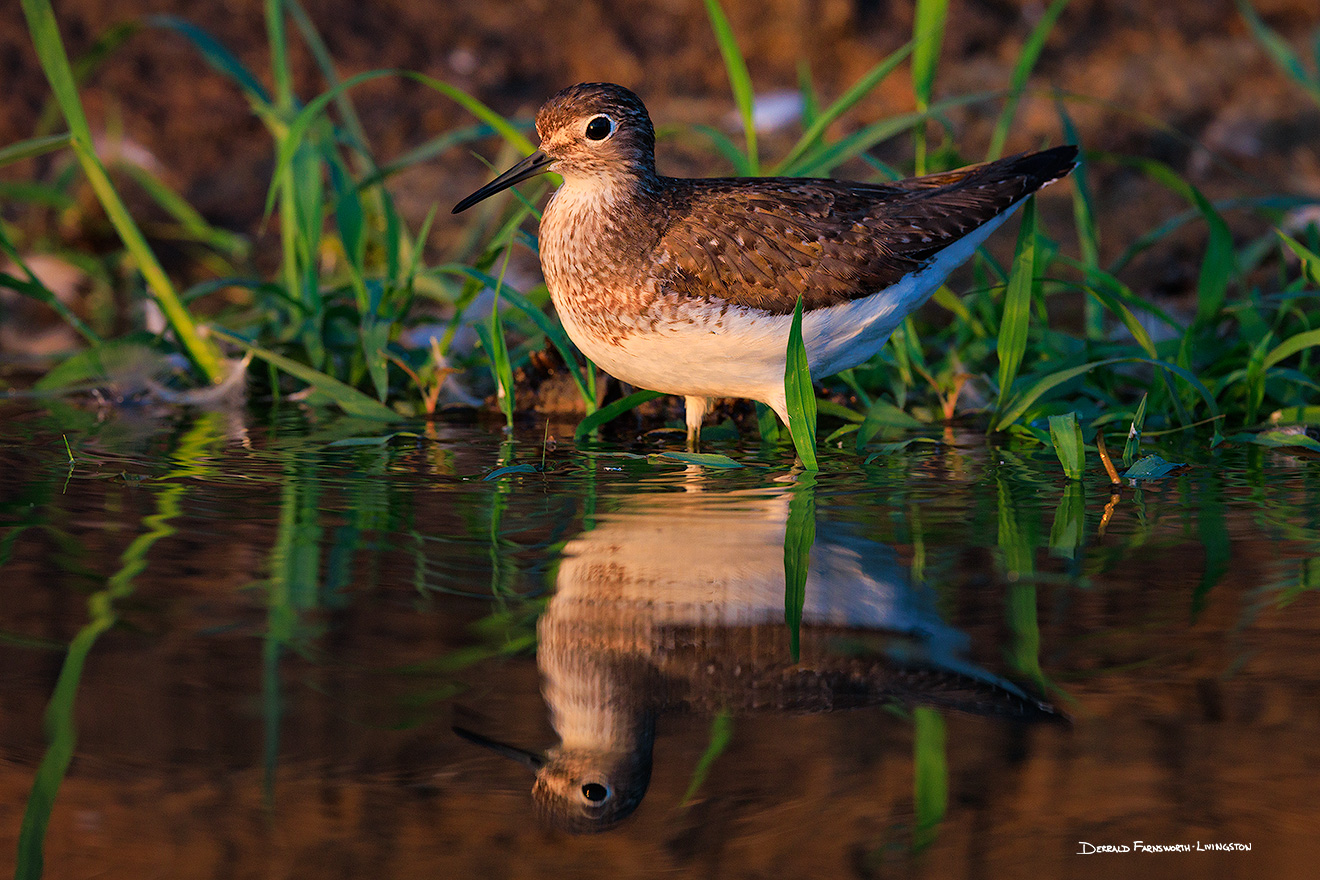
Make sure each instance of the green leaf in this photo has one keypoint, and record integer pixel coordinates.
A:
(800, 394)
(1066, 435)
(382, 440)
(1152, 467)
(705, 459)
(1017, 306)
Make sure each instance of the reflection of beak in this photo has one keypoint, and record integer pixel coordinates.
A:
(529, 167)
(534, 761)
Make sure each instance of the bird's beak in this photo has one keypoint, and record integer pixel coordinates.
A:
(533, 761)
(529, 167)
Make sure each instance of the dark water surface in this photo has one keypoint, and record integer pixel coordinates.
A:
(235, 647)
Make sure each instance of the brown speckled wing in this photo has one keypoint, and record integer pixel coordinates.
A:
(763, 242)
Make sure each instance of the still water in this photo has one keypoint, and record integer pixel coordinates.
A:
(291, 645)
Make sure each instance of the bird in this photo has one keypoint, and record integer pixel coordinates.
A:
(688, 286)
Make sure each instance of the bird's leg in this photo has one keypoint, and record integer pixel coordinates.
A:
(695, 409)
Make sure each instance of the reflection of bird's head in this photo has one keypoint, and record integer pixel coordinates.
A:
(585, 792)
(577, 790)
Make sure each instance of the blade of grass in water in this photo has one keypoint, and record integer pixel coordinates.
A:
(55, 63)
(1017, 308)
(721, 732)
(1066, 435)
(799, 535)
(800, 394)
(739, 79)
(930, 777)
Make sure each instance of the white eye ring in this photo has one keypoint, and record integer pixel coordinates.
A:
(599, 128)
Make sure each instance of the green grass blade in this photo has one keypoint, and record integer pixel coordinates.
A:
(32, 147)
(930, 775)
(492, 339)
(1218, 266)
(721, 733)
(1280, 52)
(1066, 435)
(55, 64)
(816, 128)
(613, 411)
(1133, 444)
(927, 41)
(739, 79)
(218, 56)
(33, 288)
(1309, 259)
(346, 397)
(799, 536)
(800, 394)
(1027, 59)
(1015, 323)
(1291, 346)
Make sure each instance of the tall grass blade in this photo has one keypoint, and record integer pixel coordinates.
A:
(31, 148)
(800, 394)
(927, 41)
(739, 79)
(1027, 59)
(613, 411)
(220, 58)
(1280, 52)
(1133, 444)
(816, 127)
(1013, 326)
(55, 63)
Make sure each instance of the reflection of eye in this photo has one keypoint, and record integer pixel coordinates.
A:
(595, 792)
(600, 128)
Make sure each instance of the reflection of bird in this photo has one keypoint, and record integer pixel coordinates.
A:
(688, 286)
(677, 603)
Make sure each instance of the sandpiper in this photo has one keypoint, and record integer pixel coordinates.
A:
(688, 286)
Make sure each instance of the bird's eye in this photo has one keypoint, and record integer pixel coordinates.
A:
(595, 792)
(599, 128)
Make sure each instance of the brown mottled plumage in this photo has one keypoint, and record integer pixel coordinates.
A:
(686, 285)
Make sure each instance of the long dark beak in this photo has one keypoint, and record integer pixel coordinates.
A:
(531, 760)
(529, 167)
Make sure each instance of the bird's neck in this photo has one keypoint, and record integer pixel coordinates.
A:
(596, 223)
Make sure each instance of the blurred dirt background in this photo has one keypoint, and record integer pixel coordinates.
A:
(1183, 82)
